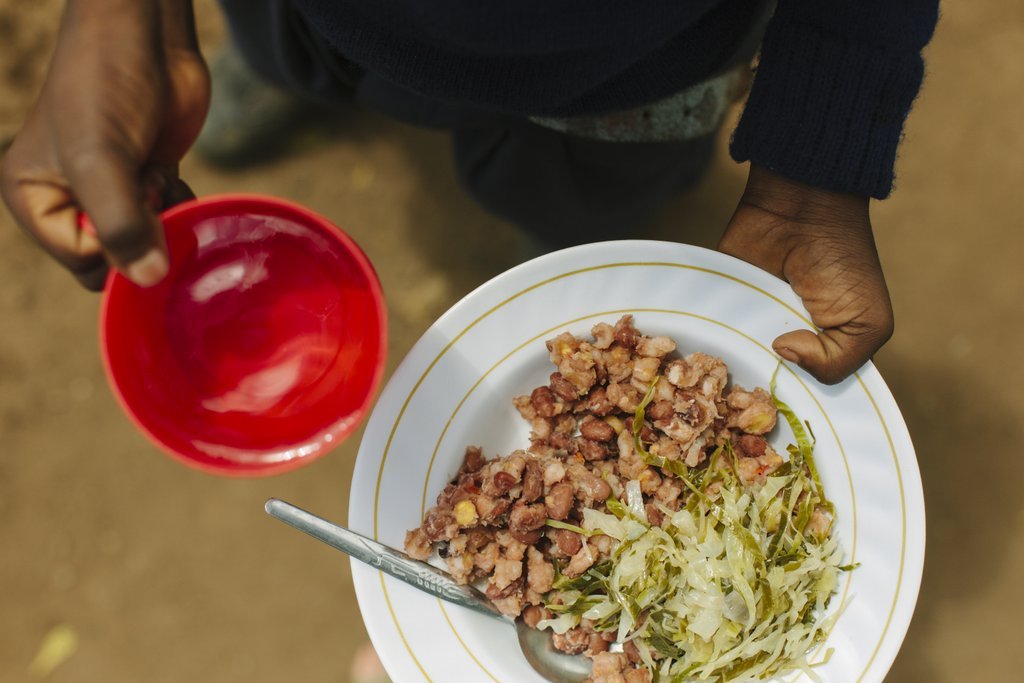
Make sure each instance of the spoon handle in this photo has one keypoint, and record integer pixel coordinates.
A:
(393, 562)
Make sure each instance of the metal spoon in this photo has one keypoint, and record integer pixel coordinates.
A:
(553, 665)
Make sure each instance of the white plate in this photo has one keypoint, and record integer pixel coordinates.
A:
(455, 388)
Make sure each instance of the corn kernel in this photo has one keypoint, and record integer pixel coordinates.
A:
(465, 513)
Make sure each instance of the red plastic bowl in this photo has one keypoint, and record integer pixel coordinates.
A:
(263, 347)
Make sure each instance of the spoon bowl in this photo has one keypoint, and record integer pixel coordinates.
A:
(552, 664)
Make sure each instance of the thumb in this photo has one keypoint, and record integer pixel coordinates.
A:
(107, 187)
(841, 284)
(833, 354)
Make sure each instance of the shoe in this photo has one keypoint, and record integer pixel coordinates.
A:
(250, 118)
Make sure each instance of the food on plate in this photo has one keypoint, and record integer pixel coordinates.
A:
(648, 509)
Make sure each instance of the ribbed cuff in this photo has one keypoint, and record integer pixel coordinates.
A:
(827, 111)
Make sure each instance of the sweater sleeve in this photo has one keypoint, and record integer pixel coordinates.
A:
(834, 83)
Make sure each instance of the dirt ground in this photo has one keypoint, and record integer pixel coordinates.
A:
(158, 573)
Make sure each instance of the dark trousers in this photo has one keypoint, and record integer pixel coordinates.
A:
(563, 188)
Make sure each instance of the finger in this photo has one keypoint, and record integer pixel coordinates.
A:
(845, 294)
(188, 80)
(107, 187)
(179, 26)
(95, 278)
(58, 232)
(45, 212)
(188, 100)
(834, 354)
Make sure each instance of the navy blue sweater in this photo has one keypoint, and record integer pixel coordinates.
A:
(834, 83)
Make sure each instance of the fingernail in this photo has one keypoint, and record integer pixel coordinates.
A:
(148, 270)
(788, 353)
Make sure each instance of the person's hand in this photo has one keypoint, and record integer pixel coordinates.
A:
(124, 99)
(821, 243)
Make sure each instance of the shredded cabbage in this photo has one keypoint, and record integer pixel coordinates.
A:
(730, 587)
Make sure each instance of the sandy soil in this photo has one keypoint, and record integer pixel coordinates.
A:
(164, 574)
